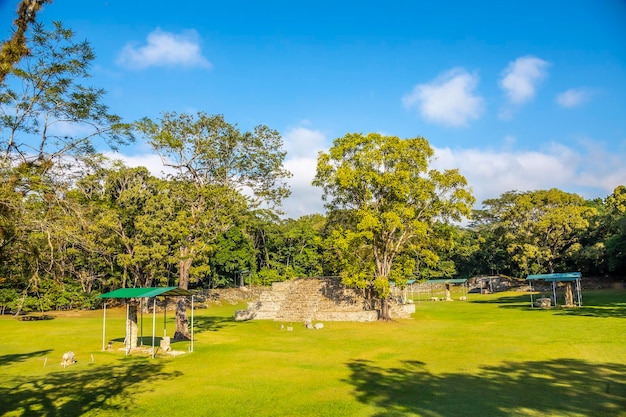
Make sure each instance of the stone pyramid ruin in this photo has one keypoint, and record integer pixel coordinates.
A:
(316, 299)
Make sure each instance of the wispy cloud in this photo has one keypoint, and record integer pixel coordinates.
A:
(492, 172)
(573, 97)
(449, 99)
(519, 80)
(164, 49)
(301, 141)
(302, 145)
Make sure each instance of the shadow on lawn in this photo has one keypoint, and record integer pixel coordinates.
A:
(605, 310)
(74, 391)
(212, 324)
(522, 300)
(557, 387)
(606, 305)
(21, 357)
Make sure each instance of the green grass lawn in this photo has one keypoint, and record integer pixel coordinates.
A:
(489, 356)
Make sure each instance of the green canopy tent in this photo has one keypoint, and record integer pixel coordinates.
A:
(567, 277)
(141, 293)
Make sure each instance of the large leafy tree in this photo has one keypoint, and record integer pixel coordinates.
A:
(616, 222)
(385, 200)
(51, 126)
(538, 228)
(221, 173)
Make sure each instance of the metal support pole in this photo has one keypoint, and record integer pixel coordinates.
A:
(153, 326)
(104, 325)
(141, 327)
(164, 317)
(532, 305)
(554, 292)
(128, 330)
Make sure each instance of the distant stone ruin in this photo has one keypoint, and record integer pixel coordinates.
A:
(316, 299)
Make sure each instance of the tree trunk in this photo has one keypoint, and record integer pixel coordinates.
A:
(384, 309)
(569, 295)
(182, 328)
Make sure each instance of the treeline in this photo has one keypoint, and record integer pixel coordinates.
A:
(74, 224)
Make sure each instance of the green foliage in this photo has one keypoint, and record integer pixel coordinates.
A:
(207, 150)
(8, 299)
(536, 228)
(266, 276)
(48, 94)
(385, 200)
(14, 49)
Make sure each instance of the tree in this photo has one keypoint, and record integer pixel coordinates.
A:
(221, 173)
(49, 119)
(616, 221)
(15, 48)
(384, 199)
(51, 126)
(540, 226)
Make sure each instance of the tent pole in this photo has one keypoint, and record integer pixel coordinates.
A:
(104, 324)
(580, 293)
(531, 294)
(141, 328)
(128, 336)
(153, 325)
(554, 292)
(164, 316)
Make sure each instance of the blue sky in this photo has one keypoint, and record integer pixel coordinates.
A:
(517, 95)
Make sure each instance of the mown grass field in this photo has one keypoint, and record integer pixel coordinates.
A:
(489, 356)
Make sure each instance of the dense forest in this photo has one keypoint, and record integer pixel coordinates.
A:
(74, 224)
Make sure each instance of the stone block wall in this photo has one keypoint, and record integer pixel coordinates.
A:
(314, 299)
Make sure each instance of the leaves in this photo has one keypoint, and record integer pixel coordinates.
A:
(391, 199)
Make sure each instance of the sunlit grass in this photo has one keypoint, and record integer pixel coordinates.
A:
(489, 356)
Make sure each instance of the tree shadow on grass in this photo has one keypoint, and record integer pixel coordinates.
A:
(604, 305)
(605, 310)
(563, 387)
(74, 391)
(522, 300)
(21, 357)
(212, 324)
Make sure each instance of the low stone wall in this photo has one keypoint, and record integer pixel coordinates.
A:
(362, 316)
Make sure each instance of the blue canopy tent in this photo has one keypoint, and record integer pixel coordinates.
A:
(567, 277)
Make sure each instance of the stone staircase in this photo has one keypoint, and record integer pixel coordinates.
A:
(312, 299)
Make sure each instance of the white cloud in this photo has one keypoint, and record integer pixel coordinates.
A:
(150, 160)
(165, 49)
(302, 145)
(300, 141)
(305, 198)
(449, 99)
(493, 172)
(573, 97)
(519, 80)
